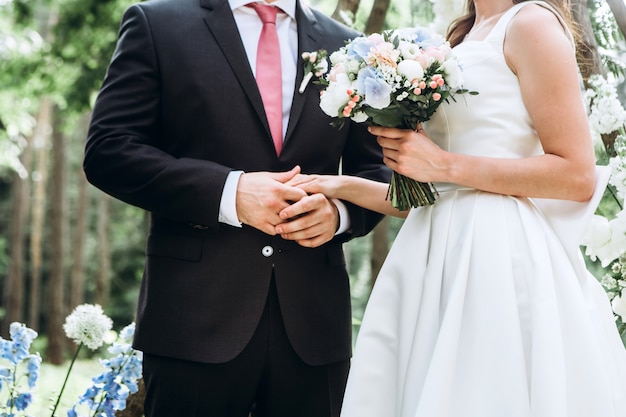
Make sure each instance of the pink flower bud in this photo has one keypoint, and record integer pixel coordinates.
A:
(436, 96)
(433, 84)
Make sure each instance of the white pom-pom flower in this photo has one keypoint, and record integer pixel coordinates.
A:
(88, 325)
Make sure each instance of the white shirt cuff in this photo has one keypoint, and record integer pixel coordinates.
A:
(344, 217)
(228, 203)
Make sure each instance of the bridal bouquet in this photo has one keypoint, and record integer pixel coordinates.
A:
(397, 78)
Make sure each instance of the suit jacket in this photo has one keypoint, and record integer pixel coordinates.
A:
(178, 110)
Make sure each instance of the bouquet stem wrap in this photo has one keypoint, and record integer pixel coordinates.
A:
(405, 192)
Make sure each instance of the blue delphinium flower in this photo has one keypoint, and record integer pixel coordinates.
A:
(13, 353)
(111, 388)
(18, 348)
(32, 369)
(23, 400)
(19, 369)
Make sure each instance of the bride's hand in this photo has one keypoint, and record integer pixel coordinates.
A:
(366, 193)
(329, 185)
(411, 153)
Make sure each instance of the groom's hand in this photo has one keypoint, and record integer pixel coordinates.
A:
(311, 221)
(262, 195)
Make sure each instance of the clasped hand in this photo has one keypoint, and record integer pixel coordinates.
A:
(263, 196)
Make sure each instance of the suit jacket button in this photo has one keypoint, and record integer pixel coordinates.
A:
(267, 251)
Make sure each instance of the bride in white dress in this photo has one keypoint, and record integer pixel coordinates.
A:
(484, 307)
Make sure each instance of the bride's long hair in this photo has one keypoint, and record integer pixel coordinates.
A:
(460, 27)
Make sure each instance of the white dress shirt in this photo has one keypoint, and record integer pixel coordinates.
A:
(250, 27)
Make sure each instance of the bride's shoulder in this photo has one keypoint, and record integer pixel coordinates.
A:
(536, 22)
(537, 38)
(536, 29)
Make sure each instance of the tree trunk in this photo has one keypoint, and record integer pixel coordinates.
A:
(619, 12)
(377, 16)
(589, 59)
(104, 252)
(134, 402)
(77, 277)
(345, 11)
(380, 247)
(13, 302)
(56, 306)
(41, 148)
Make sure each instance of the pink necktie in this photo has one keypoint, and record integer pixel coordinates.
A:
(268, 72)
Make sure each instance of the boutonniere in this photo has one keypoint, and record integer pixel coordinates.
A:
(315, 64)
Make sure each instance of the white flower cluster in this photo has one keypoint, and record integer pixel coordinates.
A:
(606, 239)
(606, 113)
(618, 167)
(614, 284)
(88, 325)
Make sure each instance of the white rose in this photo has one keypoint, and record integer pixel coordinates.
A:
(454, 76)
(409, 50)
(337, 57)
(412, 70)
(619, 305)
(352, 66)
(335, 98)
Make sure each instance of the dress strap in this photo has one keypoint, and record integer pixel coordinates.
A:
(496, 37)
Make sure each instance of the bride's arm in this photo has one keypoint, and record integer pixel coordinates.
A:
(360, 191)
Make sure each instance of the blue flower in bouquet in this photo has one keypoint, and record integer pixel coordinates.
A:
(360, 47)
(397, 78)
(426, 38)
(376, 90)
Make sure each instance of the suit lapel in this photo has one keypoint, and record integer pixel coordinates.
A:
(308, 40)
(220, 21)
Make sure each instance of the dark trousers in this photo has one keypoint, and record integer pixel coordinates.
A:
(267, 379)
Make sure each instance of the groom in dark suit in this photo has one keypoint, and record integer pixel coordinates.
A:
(238, 309)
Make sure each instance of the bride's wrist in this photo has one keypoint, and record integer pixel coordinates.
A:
(342, 187)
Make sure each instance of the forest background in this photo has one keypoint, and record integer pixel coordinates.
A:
(63, 242)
